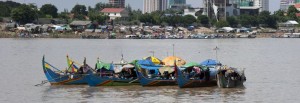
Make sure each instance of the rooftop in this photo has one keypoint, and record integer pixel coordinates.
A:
(112, 10)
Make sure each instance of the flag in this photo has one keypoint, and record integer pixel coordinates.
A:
(71, 65)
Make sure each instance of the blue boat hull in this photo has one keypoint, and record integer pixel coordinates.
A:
(144, 81)
(62, 79)
(184, 82)
(95, 80)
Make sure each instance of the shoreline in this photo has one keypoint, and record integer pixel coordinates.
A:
(6, 34)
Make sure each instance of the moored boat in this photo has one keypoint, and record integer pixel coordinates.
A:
(229, 77)
(196, 76)
(108, 74)
(58, 77)
(150, 74)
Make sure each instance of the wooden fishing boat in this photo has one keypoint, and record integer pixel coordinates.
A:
(94, 79)
(58, 77)
(149, 74)
(108, 74)
(186, 79)
(229, 77)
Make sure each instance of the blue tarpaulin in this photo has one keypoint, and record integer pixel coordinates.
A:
(209, 62)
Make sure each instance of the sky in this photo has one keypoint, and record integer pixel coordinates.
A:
(135, 4)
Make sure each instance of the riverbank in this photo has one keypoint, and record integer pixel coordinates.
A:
(91, 35)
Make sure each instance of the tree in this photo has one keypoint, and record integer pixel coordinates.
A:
(24, 14)
(265, 18)
(5, 11)
(6, 7)
(189, 19)
(49, 9)
(232, 21)
(222, 23)
(291, 13)
(248, 20)
(79, 12)
(279, 15)
(203, 19)
(64, 15)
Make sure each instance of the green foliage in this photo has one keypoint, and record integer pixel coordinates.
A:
(6, 7)
(79, 11)
(99, 6)
(5, 11)
(203, 19)
(279, 15)
(49, 9)
(232, 21)
(222, 23)
(189, 19)
(265, 18)
(24, 14)
(291, 13)
(248, 20)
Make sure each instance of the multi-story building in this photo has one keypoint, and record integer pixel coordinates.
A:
(253, 6)
(154, 5)
(285, 4)
(178, 4)
(163, 5)
(117, 3)
(220, 9)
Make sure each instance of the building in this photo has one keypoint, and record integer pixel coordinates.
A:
(117, 3)
(264, 4)
(114, 13)
(163, 5)
(176, 2)
(217, 9)
(253, 6)
(154, 5)
(285, 4)
(192, 11)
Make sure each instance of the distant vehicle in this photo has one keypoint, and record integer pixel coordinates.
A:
(132, 37)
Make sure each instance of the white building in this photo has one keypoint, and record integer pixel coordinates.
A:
(191, 11)
(264, 5)
(150, 6)
(154, 5)
(114, 13)
(285, 4)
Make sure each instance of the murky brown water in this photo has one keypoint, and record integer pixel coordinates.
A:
(272, 70)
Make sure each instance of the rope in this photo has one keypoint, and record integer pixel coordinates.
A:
(54, 67)
(43, 82)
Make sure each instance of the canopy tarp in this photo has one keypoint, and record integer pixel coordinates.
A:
(145, 62)
(166, 68)
(128, 66)
(190, 64)
(169, 61)
(153, 59)
(154, 68)
(107, 66)
(209, 62)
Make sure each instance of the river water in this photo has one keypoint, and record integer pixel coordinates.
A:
(272, 69)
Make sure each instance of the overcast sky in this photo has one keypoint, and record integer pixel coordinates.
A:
(135, 4)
